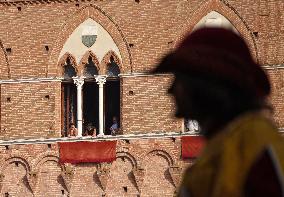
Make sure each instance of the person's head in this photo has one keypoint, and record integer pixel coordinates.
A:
(216, 78)
(72, 126)
(114, 119)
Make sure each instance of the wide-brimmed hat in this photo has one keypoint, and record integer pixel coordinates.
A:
(218, 53)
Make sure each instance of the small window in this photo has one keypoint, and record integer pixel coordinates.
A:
(90, 69)
(69, 70)
(112, 68)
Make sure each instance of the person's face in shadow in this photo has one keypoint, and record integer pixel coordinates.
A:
(186, 105)
(196, 97)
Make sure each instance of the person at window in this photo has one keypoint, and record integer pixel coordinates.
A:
(90, 130)
(72, 132)
(114, 126)
(218, 83)
(191, 126)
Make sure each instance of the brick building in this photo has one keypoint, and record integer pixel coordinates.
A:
(86, 61)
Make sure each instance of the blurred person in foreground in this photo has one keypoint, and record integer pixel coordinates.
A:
(218, 83)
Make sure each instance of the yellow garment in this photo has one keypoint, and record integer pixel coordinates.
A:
(222, 168)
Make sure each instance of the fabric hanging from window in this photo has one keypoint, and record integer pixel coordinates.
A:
(80, 152)
(191, 146)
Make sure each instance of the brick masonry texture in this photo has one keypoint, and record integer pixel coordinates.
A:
(30, 110)
(146, 105)
(33, 170)
(144, 31)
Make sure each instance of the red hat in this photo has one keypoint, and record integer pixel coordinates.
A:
(218, 53)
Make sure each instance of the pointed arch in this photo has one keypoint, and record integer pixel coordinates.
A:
(21, 175)
(62, 62)
(225, 9)
(129, 157)
(85, 60)
(100, 16)
(163, 154)
(44, 157)
(108, 57)
(16, 158)
(47, 164)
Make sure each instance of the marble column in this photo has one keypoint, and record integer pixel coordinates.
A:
(101, 80)
(79, 81)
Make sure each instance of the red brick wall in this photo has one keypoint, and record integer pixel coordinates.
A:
(27, 113)
(277, 96)
(143, 31)
(38, 171)
(152, 27)
(146, 106)
(4, 72)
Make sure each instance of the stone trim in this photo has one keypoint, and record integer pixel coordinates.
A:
(143, 75)
(31, 80)
(276, 66)
(102, 138)
(98, 138)
(38, 2)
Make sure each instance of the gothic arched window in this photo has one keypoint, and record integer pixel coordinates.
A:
(112, 68)
(90, 69)
(69, 70)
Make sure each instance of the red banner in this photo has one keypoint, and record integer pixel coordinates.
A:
(79, 152)
(191, 146)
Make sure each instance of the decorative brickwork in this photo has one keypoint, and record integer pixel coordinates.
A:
(106, 61)
(148, 168)
(85, 59)
(32, 35)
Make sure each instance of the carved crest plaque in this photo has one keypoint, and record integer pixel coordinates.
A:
(89, 35)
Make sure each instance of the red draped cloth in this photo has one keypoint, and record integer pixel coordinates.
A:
(79, 152)
(191, 146)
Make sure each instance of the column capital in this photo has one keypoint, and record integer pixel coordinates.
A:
(79, 81)
(100, 79)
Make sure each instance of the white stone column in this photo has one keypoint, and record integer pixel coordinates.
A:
(101, 79)
(79, 81)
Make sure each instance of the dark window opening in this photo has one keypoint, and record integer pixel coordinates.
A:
(90, 107)
(112, 68)
(69, 105)
(9, 50)
(191, 126)
(112, 103)
(69, 70)
(90, 69)
(68, 98)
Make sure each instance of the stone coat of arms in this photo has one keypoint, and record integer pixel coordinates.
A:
(89, 35)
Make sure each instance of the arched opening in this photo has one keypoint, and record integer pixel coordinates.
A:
(212, 19)
(215, 19)
(112, 97)
(68, 96)
(90, 98)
